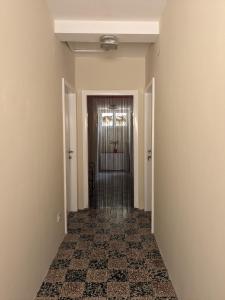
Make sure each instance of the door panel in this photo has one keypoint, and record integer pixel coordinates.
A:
(72, 203)
(67, 145)
(148, 152)
(69, 150)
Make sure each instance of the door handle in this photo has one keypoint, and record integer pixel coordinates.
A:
(149, 154)
(71, 151)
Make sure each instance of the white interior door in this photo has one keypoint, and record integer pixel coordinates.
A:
(72, 202)
(149, 149)
(148, 152)
(69, 150)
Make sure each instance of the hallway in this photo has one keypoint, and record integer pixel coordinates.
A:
(149, 159)
(108, 254)
(111, 151)
(113, 189)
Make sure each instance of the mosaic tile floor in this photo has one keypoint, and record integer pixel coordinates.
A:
(108, 254)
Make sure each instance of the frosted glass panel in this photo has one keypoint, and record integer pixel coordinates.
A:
(107, 119)
(121, 119)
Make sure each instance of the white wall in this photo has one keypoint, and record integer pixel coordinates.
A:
(189, 61)
(105, 73)
(149, 64)
(32, 63)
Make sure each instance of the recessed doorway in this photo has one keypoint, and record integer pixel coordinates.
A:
(110, 151)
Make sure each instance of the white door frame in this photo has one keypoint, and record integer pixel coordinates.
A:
(66, 85)
(86, 93)
(150, 89)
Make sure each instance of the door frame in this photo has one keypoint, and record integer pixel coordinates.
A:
(150, 89)
(66, 85)
(85, 94)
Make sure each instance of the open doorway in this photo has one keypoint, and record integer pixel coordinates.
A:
(85, 160)
(110, 151)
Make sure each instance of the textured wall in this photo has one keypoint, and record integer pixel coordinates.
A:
(31, 173)
(190, 146)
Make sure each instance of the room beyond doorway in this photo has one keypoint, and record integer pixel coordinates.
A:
(110, 151)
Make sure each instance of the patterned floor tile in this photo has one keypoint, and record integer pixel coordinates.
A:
(102, 237)
(133, 238)
(154, 264)
(101, 245)
(84, 245)
(98, 264)
(136, 263)
(163, 289)
(116, 253)
(138, 275)
(134, 245)
(143, 298)
(60, 264)
(108, 254)
(49, 289)
(117, 263)
(131, 231)
(65, 254)
(86, 237)
(97, 253)
(118, 275)
(159, 274)
(118, 298)
(76, 276)
(68, 245)
(70, 298)
(79, 264)
(72, 289)
(143, 231)
(97, 276)
(154, 255)
(46, 298)
(117, 237)
(135, 254)
(57, 275)
(141, 289)
(165, 298)
(118, 289)
(94, 298)
(95, 289)
(79, 254)
(117, 245)
(71, 237)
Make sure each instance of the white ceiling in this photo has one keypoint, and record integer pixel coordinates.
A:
(91, 31)
(134, 22)
(108, 10)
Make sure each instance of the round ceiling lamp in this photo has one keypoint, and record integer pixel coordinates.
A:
(109, 42)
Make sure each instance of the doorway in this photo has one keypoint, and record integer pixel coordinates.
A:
(86, 146)
(110, 151)
(69, 150)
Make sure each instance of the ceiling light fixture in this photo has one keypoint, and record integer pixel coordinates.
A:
(109, 42)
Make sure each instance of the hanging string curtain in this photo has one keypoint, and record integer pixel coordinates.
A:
(112, 147)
